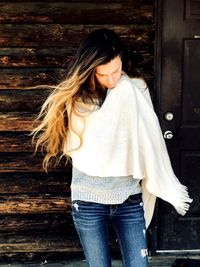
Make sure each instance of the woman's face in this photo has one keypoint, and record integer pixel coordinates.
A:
(109, 74)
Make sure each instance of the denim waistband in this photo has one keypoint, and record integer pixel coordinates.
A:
(135, 197)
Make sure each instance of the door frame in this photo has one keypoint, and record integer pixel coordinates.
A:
(152, 231)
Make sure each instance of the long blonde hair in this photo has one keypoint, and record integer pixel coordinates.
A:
(99, 47)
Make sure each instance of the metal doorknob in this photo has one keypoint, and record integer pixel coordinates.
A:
(169, 116)
(168, 135)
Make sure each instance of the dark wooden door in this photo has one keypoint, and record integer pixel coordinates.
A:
(178, 76)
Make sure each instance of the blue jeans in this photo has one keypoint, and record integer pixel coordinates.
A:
(91, 221)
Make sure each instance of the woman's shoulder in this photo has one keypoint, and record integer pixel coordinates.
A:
(137, 82)
(140, 83)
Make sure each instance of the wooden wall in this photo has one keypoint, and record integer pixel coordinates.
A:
(37, 41)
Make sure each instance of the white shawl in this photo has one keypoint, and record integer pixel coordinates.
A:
(123, 137)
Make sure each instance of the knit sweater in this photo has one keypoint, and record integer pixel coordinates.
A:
(123, 138)
(104, 190)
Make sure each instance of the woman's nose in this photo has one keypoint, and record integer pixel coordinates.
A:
(110, 79)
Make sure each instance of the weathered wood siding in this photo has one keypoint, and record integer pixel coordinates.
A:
(37, 41)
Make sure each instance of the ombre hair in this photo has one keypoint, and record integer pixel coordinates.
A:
(99, 47)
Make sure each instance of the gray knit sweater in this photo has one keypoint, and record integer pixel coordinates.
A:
(104, 190)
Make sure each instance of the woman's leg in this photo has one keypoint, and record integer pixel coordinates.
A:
(129, 223)
(91, 222)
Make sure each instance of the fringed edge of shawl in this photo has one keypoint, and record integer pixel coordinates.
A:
(179, 197)
(182, 205)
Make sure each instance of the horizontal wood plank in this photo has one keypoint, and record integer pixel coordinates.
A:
(23, 162)
(17, 121)
(80, 1)
(38, 243)
(22, 100)
(27, 204)
(12, 142)
(135, 37)
(26, 78)
(38, 223)
(39, 258)
(36, 57)
(40, 183)
(74, 13)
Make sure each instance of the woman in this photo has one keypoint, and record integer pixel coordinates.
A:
(105, 122)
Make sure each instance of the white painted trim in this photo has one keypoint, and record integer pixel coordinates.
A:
(181, 251)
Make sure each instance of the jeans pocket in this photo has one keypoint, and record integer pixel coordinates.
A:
(83, 207)
(135, 199)
(79, 205)
(80, 202)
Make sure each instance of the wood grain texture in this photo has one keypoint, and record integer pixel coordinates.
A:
(43, 223)
(25, 78)
(28, 204)
(67, 13)
(20, 57)
(38, 243)
(22, 100)
(27, 162)
(17, 121)
(36, 183)
(16, 141)
(38, 40)
(136, 37)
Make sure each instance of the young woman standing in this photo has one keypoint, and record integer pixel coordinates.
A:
(103, 119)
